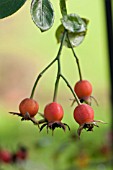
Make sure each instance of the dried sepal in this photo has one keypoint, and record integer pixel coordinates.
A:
(15, 113)
(99, 121)
(41, 114)
(67, 126)
(41, 128)
(89, 126)
(80, 130)
(86, 101)
(54, 125)
(26, 116)
(94, 99)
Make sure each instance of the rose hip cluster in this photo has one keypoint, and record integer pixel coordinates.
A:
(83, 113)
(53, 112)
(19, 156)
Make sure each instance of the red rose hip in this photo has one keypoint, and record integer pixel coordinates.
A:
(83, 89)
(5, 156)
(28, 106)
(83, 114)
(53, 112)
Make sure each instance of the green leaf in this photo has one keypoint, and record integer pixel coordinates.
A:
(85, 20)
(63, 7)
(8, 7)
(75, 38)
(74, 23)
(42, 14)
(59, 33)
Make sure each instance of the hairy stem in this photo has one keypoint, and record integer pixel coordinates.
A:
(74, 94)
(76, 58)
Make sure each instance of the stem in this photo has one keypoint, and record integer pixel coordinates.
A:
(59, 66)
(49, 65)
(77, 60)
(74, 94)
(57, 82)
(63, 8)
(39, 76)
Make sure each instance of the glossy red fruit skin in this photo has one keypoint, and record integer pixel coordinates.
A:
(30, 106)
(83, 89)
(5, 156)
(83, 114)
(53, 112)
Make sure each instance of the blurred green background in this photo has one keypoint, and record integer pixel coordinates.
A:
(24, 52)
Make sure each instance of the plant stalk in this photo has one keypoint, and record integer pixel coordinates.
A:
(39, 76)
(59, 66)
(76, 58)
(74, 94)
(63, 7)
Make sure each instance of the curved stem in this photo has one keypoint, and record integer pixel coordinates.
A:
(39, 76)
(77, 60)
(74, 94)
(59, 66)
(49, 65)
